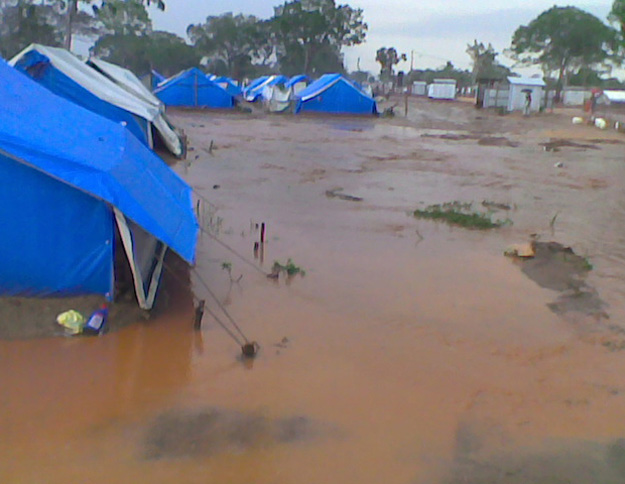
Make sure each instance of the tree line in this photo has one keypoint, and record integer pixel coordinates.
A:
(303, 36)
(571, 46)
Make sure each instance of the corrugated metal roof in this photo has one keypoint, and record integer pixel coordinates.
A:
(444, 81)
(527, 81)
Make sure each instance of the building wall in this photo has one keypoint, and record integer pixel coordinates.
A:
(575, 97)
(516, 100)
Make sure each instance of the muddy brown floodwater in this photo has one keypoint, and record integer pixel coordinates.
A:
(410, 352)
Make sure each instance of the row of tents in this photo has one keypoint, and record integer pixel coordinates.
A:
(331, 93)
(85, 200)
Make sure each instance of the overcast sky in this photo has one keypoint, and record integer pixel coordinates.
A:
(435, 31)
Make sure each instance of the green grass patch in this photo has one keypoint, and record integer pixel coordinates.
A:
(460, 214)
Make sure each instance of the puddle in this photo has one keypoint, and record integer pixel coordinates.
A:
(481, 139)
(215, 431)
(556, 144)
(555, 266)
(563, 462)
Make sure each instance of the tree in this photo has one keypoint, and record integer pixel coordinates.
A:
(170, 54)
(235, 40)
(618, 14)
(388, 59)
(163, 51)
(484, 60)
(24, 22)
(75, 16)
(310, 34)
(129, 51)
(448, 71)
(124, 17)
(562, 40)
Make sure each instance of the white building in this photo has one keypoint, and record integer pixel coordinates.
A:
(442, 89)
(519, 87)
(419, 88)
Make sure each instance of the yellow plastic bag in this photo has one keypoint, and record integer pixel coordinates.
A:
(72, 321)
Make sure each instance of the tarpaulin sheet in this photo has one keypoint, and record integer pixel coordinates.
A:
(332, 93)
(55, 240)
(192, 88)
(36, 58)
(95, 156)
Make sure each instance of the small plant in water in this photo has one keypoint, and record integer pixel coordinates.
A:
(290, 269)
(461, 214)
(227, 266)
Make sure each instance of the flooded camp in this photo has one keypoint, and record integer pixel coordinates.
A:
(311, 242)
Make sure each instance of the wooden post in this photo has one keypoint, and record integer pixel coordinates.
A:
(262, 233)
(406, 104)
(199, 312)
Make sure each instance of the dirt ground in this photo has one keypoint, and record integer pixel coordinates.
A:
(409, 351)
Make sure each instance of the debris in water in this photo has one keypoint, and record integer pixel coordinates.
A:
(520, 250)
(496, 205)
(334, 193)
(72, 321)
(249, 350)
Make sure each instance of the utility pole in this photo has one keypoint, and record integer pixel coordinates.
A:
(411, 60)
(72, 8)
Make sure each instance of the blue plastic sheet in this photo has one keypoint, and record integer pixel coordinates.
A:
(192, 88)
(63, 168)
(333, 93)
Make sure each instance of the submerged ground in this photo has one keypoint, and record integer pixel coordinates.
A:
(411, 352)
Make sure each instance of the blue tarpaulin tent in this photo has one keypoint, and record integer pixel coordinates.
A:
(73, 183)
(192, 88)
(297, 79)
(254, 90)
(229, 85)
(61, 72)
(157, 78)
(333, 93)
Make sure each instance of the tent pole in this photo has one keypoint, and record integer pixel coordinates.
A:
(124, 232)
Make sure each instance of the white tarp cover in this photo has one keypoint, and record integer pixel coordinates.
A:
(126, 79)
(276, 98)
(105, 89)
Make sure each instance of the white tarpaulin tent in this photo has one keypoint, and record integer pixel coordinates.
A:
(31, 59)
(126, 79)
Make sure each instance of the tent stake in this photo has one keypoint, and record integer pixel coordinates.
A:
(199, 313)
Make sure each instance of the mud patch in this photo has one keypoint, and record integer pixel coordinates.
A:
(558, 143)
(497, 141)
(215, 431)
(555, 266)
(336, 193)
(557, 463)
(481, 140)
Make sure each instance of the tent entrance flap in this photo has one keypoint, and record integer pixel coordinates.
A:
(145, 255)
